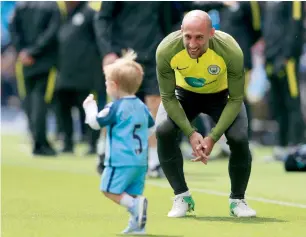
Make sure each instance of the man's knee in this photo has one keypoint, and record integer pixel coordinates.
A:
(238, 131)
(238, 136)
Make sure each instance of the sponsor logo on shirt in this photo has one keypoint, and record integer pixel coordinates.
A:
(195, 82)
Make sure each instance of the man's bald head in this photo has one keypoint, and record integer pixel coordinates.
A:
(197, 17)
(197, 30)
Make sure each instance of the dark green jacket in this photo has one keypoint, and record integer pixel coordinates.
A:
(243, 22)
(34, 28)
(137, 25)
(283, 30)
(79, 65)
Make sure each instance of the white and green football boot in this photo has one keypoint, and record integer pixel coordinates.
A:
(181, 205)
(239, 208)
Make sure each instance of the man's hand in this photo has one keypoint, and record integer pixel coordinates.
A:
(206, 146)
(109, 59)
(25, 58)
(197, 144)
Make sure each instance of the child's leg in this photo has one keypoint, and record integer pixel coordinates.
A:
(122, 185)
(123, 199)
(141, 203)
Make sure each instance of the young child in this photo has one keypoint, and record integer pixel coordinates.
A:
(128, 121)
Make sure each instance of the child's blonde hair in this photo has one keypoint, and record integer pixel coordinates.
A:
(127, 73)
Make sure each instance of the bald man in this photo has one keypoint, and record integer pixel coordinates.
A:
(201, 70)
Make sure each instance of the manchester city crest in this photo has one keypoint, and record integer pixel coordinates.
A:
(214, 69)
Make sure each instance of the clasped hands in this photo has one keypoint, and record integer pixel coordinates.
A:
(201, 147)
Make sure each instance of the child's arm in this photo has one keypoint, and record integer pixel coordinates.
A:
(91, 111)
(151, 124)
(97, 120)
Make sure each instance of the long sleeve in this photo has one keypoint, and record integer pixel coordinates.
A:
(106, 116)
(48, 36)
(294, 26)
(15, 30)
(236, 80)
(166, 80)
(91, 111)
(103, 27)
(151, 123)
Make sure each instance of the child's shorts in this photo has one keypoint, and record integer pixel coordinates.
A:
(129, 179)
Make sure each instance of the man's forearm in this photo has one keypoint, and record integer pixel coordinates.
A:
(227, 117)
(15, 32)
(167, 83)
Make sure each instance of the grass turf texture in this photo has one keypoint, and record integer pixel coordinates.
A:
(44, 197)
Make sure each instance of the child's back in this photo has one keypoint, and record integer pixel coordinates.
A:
(128, 121)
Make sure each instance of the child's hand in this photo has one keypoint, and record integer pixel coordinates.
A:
(89, 100)
(91, 111)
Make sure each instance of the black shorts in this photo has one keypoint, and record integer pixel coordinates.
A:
(195, 103)
(211, 104)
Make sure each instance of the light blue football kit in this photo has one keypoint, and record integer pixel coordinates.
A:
(128, 121)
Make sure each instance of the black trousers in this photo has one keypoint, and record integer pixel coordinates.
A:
(66, 100)
(168, 134)
(286, 104)
(38, 92)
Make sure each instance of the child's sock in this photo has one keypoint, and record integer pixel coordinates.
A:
(127, 201)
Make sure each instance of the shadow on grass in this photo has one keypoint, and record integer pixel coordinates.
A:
(249, 220)
(151, 235)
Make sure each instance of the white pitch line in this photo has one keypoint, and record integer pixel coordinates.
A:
(217, 193)
(23, 147)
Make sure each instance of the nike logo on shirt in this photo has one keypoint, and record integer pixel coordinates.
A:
(181, 68)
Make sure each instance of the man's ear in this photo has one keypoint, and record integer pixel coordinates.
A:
(212, 32)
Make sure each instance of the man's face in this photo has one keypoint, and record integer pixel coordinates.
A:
(196, 38)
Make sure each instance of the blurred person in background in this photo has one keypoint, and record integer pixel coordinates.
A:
(283, 35)
(8, 57)
(7, 9)
(139, 26)
(34, 29)
(80, 70)
(8, 79)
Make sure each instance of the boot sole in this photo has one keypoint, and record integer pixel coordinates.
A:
(142, 217)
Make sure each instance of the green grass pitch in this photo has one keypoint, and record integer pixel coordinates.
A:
(60, 197)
